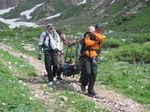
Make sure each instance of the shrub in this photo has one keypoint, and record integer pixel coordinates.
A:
(113, 43)
(140, 38)
(7, 33)
(134, 53)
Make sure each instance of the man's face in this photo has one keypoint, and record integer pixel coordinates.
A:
(50, 29)
(98, 30)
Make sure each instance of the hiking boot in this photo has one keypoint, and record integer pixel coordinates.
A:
(83, 88)
(91, 92)
(50, 83)
(54, 79)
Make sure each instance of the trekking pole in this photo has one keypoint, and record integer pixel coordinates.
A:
(70, 55)
(66, 54)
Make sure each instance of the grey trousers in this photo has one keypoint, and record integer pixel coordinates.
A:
(88, 73)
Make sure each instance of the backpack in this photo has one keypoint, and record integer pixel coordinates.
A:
(84, 47)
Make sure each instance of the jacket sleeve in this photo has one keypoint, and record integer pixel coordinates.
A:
(41, 42)
(42, 38)
(88, 41)
(101, 38)
(64, 39)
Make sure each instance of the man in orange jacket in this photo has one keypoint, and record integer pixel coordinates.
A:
(90, 57)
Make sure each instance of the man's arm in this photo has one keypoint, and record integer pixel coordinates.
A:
(64, 39)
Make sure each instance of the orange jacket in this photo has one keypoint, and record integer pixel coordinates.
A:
(93, 45)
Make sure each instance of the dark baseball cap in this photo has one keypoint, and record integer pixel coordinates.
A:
(99, 26)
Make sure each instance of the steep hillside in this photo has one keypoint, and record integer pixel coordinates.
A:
(121, 15)
(48, 8)
(9, 3)
(130, 16)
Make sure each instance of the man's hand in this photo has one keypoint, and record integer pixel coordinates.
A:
(56, 50)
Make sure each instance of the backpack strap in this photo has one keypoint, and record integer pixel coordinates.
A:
(84, 47)
(46, 34)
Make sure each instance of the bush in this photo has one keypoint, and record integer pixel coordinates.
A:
(140, 38)
(134, 53)
(7, 33)
(113, 43)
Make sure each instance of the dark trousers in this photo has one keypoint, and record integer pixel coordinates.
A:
(88, 73)
(48, 64)
(51, 59)
(55, 63)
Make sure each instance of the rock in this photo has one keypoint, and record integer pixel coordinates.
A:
(63, 98)
(4, 104)
(31, 98)
(9, 3)
(24, 84)
(20, 81)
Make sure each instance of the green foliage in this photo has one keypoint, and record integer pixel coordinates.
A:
(140, 38)
(6, 33)
(77, 103)
(3, 26)
(138, 22)
(58, 5)
(116, 7)
(113, 43)
(132, 80)
(14, 97)
(19, 37)
(23, 68)
(134, 53)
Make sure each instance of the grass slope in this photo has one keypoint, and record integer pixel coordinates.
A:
(15, 97)
(131, 80)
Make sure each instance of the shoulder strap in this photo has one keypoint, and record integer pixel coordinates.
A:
(46, 34)
(92, 36)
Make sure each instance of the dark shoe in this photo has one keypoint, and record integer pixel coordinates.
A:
(91, 92)
(59, 78)
(83, 88)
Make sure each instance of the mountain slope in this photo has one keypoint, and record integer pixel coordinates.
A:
(9, 3)
(121, 15)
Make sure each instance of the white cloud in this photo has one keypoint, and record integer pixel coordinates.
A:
(27, 13)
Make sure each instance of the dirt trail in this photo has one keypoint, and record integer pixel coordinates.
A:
(109, 99)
